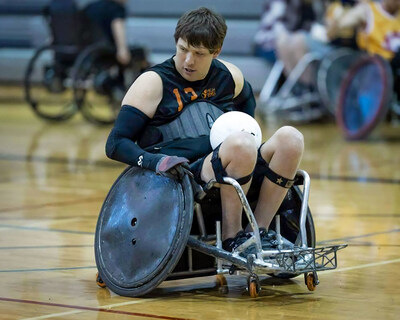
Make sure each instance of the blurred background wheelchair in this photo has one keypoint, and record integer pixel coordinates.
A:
(368, 94)
(355, 88)
(286, 97)
(78, 70)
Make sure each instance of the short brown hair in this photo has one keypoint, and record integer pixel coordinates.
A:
(202, 27)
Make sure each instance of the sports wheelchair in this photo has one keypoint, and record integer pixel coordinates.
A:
(352, 86)
(146, 234)
(288, 98)
(77, 70)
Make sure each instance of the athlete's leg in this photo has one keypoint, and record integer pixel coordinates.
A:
(238, 154)
(283, 152)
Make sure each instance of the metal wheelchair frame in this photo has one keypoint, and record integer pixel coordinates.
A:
(274, 100)
(301, 260)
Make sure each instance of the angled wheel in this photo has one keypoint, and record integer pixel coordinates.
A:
(142, 230)
(95, 75)
(365, 95)
(47, 86)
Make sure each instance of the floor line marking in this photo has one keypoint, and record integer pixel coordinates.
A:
(360, 236)
(53, 315)
(102, 307)
(10, 226)
(106, 308)
(362, 266)
(48, 247)
(354, 179)
(45, 269)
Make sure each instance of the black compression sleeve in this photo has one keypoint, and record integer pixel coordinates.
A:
(245, 101)
(121, 145)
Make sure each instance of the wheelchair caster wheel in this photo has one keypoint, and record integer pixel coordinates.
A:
(253, 285)
(311, 282)
(222, 285)
(99, 281)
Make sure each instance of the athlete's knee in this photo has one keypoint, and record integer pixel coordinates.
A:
(240, 147)
(290, 140)
(235, 157)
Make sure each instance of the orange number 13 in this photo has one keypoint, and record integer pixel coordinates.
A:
(178, 96)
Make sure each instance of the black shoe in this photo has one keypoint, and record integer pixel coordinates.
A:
(231, 244)
(269, 240)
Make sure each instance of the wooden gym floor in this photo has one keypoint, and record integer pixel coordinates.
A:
(54, 177)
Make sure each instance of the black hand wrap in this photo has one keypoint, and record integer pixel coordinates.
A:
(121, 145)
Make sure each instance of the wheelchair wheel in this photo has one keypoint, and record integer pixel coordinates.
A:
(365, 96)
(142, 230)
(95, 84)
(330, 74)
(289, 212)
(47, 87)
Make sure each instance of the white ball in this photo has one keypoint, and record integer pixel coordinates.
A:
(231, 122)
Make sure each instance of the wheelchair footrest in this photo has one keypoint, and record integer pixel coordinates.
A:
(308, 259)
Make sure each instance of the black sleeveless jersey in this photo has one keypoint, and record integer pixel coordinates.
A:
(218, 87)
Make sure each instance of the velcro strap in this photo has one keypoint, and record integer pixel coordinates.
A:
(245, 179)
(218, 169)
(220, 172)
(277, 179)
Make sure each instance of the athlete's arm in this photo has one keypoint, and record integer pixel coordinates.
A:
(345, 19)
(138, 107)
(145, 93)
(118, 31)
(237, 76)
(243, 99)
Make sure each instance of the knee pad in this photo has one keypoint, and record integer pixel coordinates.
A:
(220, 172)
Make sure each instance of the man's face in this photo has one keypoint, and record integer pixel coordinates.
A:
(193, 63)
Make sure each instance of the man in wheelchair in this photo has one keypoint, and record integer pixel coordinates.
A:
(87, 59)
(167, 114)
(108, 17)
(314, 62)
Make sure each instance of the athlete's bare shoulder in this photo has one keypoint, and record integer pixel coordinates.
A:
(237, 76)
(145, 93)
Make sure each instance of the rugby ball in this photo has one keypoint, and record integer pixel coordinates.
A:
(231, 122)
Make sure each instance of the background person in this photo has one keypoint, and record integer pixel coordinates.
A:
(279, 18)
(109, 16)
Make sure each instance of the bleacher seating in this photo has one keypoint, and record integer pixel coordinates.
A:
(150, 23)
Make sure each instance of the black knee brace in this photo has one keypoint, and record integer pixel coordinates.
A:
(220, 172)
